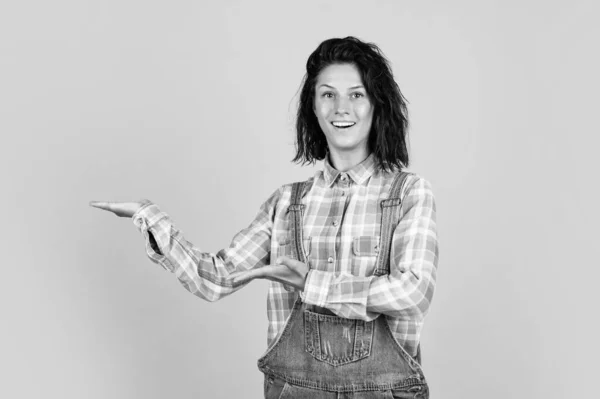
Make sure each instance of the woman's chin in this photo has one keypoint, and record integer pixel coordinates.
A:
(346, 148)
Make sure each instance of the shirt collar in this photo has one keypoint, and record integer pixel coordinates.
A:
(359, 174)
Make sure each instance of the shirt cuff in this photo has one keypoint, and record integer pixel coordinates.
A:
(316, 287)
(147, 216)
(149, 219)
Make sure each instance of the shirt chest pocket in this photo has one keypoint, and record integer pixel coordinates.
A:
(284, 247)
(365, 246)
(365, 250)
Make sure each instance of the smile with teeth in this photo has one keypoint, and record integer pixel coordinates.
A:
(343, 125)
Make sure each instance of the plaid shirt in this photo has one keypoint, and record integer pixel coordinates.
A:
(341, 230)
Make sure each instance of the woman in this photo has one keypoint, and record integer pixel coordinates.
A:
(351, 253)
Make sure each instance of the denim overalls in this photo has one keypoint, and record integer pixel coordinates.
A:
(320, 355)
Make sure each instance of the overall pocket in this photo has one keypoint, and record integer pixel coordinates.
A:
(336, 340)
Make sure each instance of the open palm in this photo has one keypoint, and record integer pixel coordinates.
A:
(121, 209)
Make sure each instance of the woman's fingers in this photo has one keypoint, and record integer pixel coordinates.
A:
(101, 205)
(290, 263)
(122, 209)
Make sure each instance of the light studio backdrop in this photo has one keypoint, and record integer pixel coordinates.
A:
(191, 104)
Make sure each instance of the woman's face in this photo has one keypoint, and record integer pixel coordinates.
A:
(343, 109)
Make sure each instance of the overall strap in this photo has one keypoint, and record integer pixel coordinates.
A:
(390, 216)
(295, 214)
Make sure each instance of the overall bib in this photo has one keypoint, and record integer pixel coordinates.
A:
(320, 355)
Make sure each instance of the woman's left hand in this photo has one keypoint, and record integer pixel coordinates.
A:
(286, 271)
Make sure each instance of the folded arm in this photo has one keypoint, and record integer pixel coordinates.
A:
(407, 291)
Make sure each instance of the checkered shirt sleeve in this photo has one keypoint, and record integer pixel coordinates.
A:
(407, 291)
(205, 274)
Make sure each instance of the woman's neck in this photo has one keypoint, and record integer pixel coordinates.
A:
(344, 161)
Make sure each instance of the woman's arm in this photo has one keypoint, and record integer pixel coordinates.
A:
(407, 291)
(204, 274)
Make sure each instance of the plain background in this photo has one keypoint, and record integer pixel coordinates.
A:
(191, 104)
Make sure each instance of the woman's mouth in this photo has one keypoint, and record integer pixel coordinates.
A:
(343, 125)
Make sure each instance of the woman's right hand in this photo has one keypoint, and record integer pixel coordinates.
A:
(121, 209)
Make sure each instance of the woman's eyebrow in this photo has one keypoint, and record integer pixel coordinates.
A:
(350, 88)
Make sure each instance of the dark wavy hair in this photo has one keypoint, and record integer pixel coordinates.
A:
(387, 138)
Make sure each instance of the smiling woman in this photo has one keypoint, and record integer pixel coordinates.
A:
(355, 77)
(348, 298)
(344, 112)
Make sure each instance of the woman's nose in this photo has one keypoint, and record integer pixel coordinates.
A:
(342, 105)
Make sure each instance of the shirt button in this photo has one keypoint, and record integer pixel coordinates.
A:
(330, 260)
(343, 193)
(344, 177)
(335, 222)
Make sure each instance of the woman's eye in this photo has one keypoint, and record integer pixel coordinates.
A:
(328, 95)
(357, 95)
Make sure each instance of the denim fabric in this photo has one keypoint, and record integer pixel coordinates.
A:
(321, 355)
(326, 356)
(278, 389)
